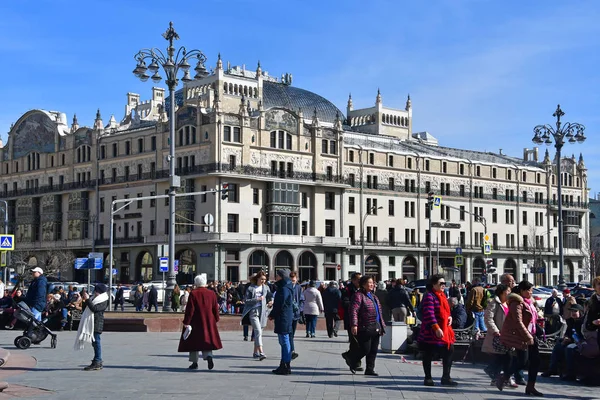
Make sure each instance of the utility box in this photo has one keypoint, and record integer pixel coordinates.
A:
(394, 339)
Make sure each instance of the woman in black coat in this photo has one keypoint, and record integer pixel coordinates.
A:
(283, 315)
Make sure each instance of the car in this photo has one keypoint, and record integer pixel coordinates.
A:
(159, 285)
(582, 291)
(549, 290)
(57, 284)
(418, 283)
(540, 296)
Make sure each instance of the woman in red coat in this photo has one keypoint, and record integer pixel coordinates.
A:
(201, 317)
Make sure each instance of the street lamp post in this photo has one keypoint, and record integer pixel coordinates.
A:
(171, 63)
(573, 132)
(362, 236)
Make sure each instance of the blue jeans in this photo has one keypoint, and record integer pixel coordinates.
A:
(286, 350)
(65, 315)
(36, 314)
(294, 326)
(97, 345)
(479, 323)
(311, 324)
(570, 351)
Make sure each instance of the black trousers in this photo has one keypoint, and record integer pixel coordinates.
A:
(331, 323)
(366, 346)
(354, 348)
(532, 354)
(429, 350)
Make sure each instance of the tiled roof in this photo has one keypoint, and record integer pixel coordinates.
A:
(293, 98)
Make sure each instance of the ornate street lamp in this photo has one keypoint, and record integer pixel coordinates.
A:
(172, 63)
(544, 134)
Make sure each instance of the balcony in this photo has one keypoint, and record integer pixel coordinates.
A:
(54, 245)
(120, 241)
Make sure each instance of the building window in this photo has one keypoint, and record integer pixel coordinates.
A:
(234, 193)
(237, 137)
(494, 173)
(329, 227)
(140, 145)
(227, 134)
(255, 196)
(390, 161)
(409, 163)
(426, 165)
(351, 156)
(461, 169)
(351, 205)
(232, 223)
(324, 146)
(140, 203)
(444, 167)
(232, 162)
(115, 150)
(304, 200)
(391, 236)
(391, 207)
(372, 158)
(478, 170)
(390, 183)
(329, 200)
(255, 225)
(332, 147)
(304, 228)
(352, 259)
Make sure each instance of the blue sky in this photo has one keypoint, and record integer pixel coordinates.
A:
(481, 73)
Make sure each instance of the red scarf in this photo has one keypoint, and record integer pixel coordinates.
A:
(448, 337)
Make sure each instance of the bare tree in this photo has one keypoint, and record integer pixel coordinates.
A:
(56, 262)
(536, 250)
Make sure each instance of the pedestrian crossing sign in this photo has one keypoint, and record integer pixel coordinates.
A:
(437, 201)
(7, 242)
(458, 260)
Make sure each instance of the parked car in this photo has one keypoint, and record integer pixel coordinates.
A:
(418, 283)
(578, 291)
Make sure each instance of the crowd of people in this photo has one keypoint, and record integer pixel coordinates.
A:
(507, 318)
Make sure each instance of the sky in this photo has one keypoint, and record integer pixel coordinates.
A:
(481, 73)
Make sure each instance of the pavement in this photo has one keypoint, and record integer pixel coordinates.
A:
(147, 365)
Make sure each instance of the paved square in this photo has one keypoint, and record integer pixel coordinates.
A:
(146, 365)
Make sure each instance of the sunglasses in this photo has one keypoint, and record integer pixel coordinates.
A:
(443, 283)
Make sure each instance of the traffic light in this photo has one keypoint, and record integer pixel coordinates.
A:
(430, 198)
(224, 191)
(489, 266)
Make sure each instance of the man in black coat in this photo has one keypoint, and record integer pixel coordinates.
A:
(331, 301)
(346, 297)
(119, 300)
(399, 302)
(153, 299)
(458, 313)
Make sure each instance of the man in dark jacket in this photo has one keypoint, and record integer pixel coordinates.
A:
(346, 297)
(458, 313)
(399, 302)
(331, 301)
(36, 294)
(119, 300)
(153, 299)
(283, 315)
(563, 351)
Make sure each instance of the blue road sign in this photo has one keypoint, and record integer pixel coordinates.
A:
(458, 251)
(164, 264)
(437, 201)
(487, 249)
(114, 271)
(176, 265)
(7, 242)
(80, 263)
(97, 263)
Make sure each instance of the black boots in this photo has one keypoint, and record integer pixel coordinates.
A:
(94, 366)
(283, 369)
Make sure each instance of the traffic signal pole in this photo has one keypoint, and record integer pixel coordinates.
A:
(430, 207)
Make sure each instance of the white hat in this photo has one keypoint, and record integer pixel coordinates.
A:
(37, 269)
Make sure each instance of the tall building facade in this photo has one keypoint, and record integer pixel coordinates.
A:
(308, 185)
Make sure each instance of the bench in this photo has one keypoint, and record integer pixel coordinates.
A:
(546, 342)
(74, 316)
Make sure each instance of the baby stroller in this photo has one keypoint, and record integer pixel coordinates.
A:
(35, 333)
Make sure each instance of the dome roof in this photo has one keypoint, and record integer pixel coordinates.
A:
(288, 97)
(293, 98)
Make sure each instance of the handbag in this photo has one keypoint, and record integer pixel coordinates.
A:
(410, 320)
(498, 346)
(374, 328)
